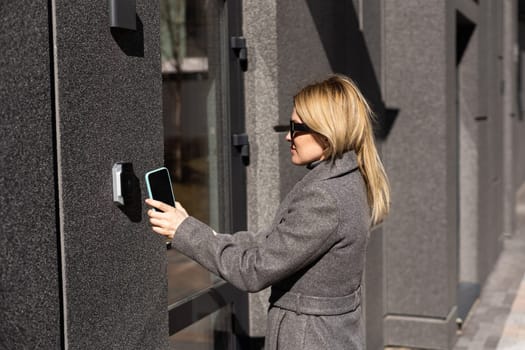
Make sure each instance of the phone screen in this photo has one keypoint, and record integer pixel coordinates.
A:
(159, 186)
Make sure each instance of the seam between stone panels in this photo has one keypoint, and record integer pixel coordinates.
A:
(59, 208)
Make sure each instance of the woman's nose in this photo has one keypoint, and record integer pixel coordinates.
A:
(288, 137)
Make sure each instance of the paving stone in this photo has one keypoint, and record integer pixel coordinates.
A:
(497, 319)
(491, 342)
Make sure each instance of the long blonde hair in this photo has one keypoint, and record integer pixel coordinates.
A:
(336, 109)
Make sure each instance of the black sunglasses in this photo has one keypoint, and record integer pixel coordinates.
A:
(298, 127)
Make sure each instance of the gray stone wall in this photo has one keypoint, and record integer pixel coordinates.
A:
(519, 148)
(519, 122)
(109, 110)
(30, 305)
(490, 139)
(262, 111)
(509, 109)
(78, 271)
(420, 158)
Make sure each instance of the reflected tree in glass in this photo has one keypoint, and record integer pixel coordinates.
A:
(173, 50)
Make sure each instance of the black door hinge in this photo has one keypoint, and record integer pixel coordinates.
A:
(238, 45)
(241, 143)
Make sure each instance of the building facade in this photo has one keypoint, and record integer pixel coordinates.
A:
(205, 88)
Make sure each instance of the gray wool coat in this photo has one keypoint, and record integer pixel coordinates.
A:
(312, 256)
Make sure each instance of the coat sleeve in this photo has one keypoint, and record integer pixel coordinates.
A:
(251, 262)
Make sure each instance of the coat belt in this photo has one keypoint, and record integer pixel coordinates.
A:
(313, 305)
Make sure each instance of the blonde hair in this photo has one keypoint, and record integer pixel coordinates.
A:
(336, 109)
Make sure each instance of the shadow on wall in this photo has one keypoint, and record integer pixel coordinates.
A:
(132, 194)
(131, 42)
(338, 26)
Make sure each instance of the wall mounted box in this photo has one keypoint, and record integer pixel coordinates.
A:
(122, 173)
(122, 14)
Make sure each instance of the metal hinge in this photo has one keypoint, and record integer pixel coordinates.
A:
(238, 45)
(242, 144)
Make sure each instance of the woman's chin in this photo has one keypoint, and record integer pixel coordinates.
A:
(296, 161)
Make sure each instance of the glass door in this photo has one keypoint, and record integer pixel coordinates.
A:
(191, 107)
(199, 81)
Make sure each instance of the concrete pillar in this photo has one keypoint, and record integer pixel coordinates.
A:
(421, 159)
(490, 137)
(519, 122)
(262, 112)
(510, 110)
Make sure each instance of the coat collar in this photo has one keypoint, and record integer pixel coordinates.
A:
(329, 169)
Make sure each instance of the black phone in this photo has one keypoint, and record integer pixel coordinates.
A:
(159, 186)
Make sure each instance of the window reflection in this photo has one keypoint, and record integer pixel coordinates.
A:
(190, 67)
(210, 333)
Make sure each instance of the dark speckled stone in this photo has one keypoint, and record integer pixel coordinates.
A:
(29, 274)
(109, 111)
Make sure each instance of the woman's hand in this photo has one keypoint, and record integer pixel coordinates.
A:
(166, 219)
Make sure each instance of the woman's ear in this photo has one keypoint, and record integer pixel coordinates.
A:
(320, 139)
(324, 142)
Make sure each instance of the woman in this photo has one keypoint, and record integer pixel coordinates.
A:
(312, 255)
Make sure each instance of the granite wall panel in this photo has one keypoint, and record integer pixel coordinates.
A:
(262, 111)
(490, 139)
(109, 110)
(416, 236)
(30, 303)
(519, 148)
(420, 155)
(519, 122)
(510, 75)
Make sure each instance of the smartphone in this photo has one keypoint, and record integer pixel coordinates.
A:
(158, 182)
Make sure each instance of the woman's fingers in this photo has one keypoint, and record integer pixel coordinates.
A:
(155, 214)
(159, 205)
(159, 223)
(167, 224)
(166, 219)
